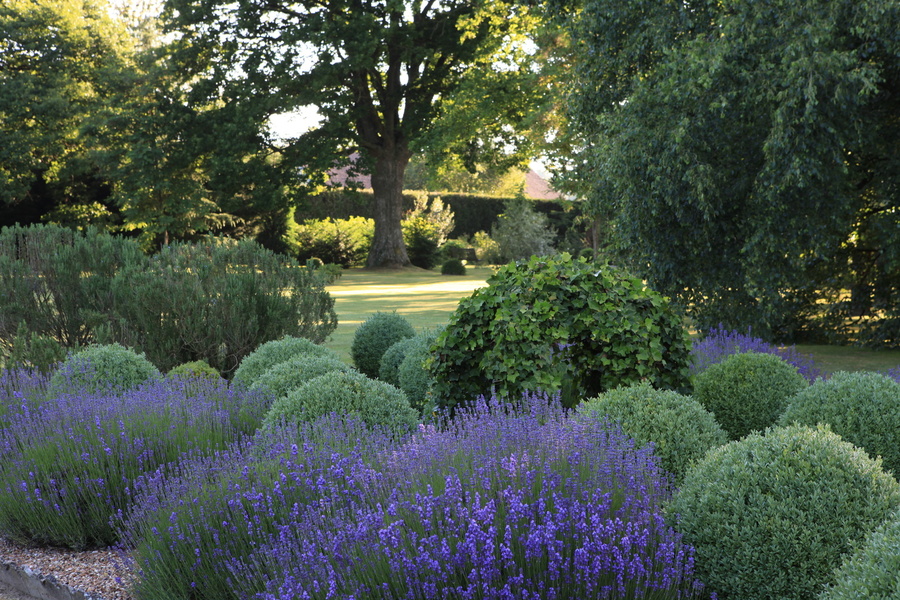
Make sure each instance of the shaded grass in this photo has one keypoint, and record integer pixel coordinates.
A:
(427, 298)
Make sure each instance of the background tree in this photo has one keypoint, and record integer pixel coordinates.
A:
(747, 154)
(380, 74)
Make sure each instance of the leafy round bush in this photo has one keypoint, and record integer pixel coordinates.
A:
(388, 371)
(453, 266)
(413, 376)
(197, 368)
(103, 368)
(372, 339)
(274, 352)
(873, 571)
(559, 324)
(352, 394)
(681, 430)
(770, 515)
(293, 373)
(748, 391)
(863, 408)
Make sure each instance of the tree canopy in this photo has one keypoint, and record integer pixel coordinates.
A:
(380, 73)
(747, 155)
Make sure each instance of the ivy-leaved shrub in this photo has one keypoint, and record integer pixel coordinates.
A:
(678, 426)
(350, 394)
(559, 324)
(771, 515)
(275, 352)
(453, 266)
(747, 391)
(413, 376)
(103, 368)
(291, 374)
(388, 371)
(873, 570)
(196, 369)
(863, 408)
(373, 338)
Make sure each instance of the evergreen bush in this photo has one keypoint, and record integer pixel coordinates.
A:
(678, 426)
(293, 373)
(194, 369)
(522, 232)
(559, 324)
(873, 570)
(373, 338)
(388, 370)
(103, 368)
(747, 391)
(273, 353)
(344, 242)
(454, 266)
(770, 516)
(350, 394)
(863, 408)
(413, 376)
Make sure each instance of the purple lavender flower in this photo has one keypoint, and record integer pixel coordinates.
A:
(718, 344)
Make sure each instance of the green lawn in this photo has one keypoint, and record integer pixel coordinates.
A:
(427, 299)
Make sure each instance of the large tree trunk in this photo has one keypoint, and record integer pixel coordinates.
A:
(388, 249)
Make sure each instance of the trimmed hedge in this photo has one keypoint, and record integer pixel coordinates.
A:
(873, 570)
(275, 352)
(373, 338)
(103, 368)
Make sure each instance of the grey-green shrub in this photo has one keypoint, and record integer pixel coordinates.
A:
(522, 232)
(196, 368)
(272, 353)
(412, 375)
(291, 374)
(771, 515)
(863, 408)
(373, 338)
(352, 394)
(681, 430)
(103, 368)
(388, 371)
(747, 392)
(872, 572)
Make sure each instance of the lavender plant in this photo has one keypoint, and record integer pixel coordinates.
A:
(718, 344)
(20, 387)
(67, 464)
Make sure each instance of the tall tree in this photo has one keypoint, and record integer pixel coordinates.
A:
(380, 72)
(747, 152)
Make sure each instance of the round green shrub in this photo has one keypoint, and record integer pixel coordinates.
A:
(748, 391)
(103, 368)
(274, 352)
(454, 266)
(771, 515)
(197, 368)
(559, 324)
(388, 371)
(353, 394)
(372, 339)
(291, 374)
(863, 408)
(681, 430)
(873, 571)
(413, 375)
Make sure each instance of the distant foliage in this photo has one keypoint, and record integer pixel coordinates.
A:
(275, 352)
(487, 250)
(559, 324)
(680, 429)
(107, 368)
(748, 392)
(453, 266)
(718, 344)
(373, 338)
(30, 350)
(344, 242)
(522, 232)
(863, 408)
(871, 571)
(796, 497)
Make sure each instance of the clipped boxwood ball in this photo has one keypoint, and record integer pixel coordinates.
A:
(681, 430)
(390, 361)
(559, 324)
(373, 338)
(413, 376)
(291, 374)
(103, 368)
(771, 515)
(197, 368)
(274, 352)
(353, 394)
(748, 391)
(453, 266)
(873, 571)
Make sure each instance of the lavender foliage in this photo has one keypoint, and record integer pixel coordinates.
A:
(68, 462)
(718, 344)
(894, 374)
